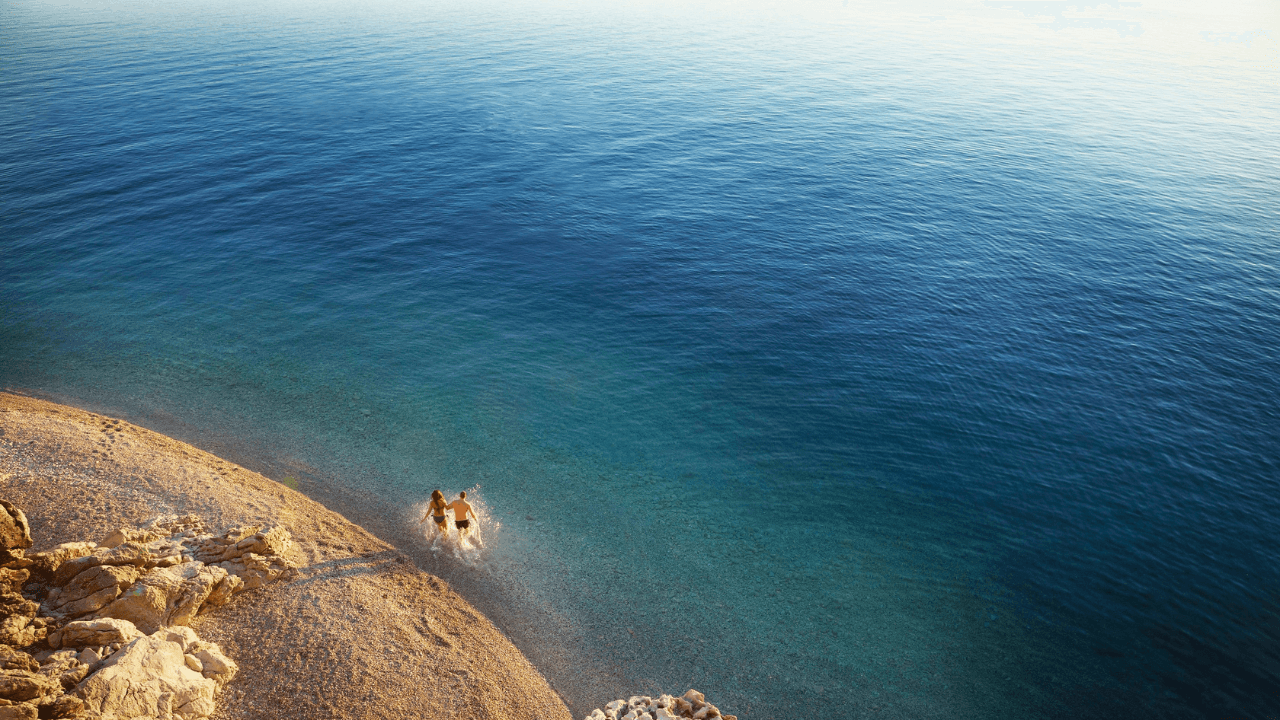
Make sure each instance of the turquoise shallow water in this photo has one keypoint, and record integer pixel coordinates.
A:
(839, 360)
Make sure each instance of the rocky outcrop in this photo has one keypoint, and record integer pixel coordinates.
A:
(99, 630)
(166, 596)
(166, 674)
(15, 532)
(94, 633)
(90, 590)
(45, 564)
(692, 704)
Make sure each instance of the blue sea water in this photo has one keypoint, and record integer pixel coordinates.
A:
(839, 360)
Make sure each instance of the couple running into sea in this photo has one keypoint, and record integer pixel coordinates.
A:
(461, 510)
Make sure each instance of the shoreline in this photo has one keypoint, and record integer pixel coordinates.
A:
(363, 631)
(583, 674)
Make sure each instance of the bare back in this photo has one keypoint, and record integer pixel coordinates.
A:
(460, 509)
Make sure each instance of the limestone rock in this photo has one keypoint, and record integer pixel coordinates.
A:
(141, 536)
(95, 633)
(693, 706)
(238, 542)
(166, 596)
(65, 667)
(89, 656)
(257, 570)
(92, 590)
(148, 678)
(126, 554)
(19, 711)
(66, 706)
(19, 685)
(21, 631)
(15, 532)
(11, 659)
(223, 591)
(12, 580)
(213, 664)
(45, 564)
(11, 603)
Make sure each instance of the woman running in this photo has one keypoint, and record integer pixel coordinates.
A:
(436, 511)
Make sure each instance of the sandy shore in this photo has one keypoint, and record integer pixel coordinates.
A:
(361, 632)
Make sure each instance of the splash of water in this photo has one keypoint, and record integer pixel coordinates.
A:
(467, 548)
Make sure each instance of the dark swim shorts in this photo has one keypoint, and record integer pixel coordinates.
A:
(462, 524)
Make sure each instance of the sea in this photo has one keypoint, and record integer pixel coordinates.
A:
(838, 359)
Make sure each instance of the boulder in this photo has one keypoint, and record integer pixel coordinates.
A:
(257, 570)
(12, 580)
(64, 706)
(19, 711)
(148, 678)
(11, 603)
(65, 667)
(238, 542)
(223, 591)
(21, 631)
(93, 589)
(89, 656)
(213, 664)
(141, 536)
(19, 685)
(11, 659)
(94, 633)
(166, 596)
(45, 564)
(127, 554)
(15, 532)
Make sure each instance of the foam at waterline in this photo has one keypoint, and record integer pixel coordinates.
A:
(467, 549)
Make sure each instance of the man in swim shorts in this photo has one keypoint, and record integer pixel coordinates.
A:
(461, 509)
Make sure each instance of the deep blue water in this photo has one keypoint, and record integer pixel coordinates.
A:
(913, 361)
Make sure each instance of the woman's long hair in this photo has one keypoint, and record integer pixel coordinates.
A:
(437, 500)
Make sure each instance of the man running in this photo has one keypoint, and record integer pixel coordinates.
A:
(461, 509)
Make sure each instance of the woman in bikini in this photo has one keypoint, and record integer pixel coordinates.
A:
(436, 511)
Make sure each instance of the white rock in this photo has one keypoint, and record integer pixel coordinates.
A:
(90, 657)
(106, 631)
(148, 678)
(215, 666)
(166, 596)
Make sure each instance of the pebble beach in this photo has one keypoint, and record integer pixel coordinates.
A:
(358, 632)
